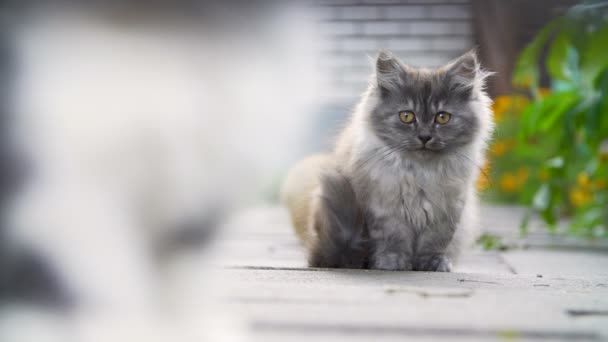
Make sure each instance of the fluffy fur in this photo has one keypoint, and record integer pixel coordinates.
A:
(385, 199)
(141, 126)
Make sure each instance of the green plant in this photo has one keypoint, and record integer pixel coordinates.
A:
(491, 242)
(567, 130)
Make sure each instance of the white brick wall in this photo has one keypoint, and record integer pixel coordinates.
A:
(450, 12)
(338, 28)
(407, 44)
(405, 12)
(422, 32)
(358, 12)
(381, 28)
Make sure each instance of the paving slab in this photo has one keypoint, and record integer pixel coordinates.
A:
(557, 262)
(263, 237)
(518, 295)
(425, 304)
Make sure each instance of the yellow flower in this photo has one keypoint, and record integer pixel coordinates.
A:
(509, 183)
(580, 197)
(500, 106)
(483, 181)
(582, 180)
(499, 148)
(544, 92)
(508, 105)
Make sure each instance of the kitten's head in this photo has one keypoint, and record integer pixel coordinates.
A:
(429, 112)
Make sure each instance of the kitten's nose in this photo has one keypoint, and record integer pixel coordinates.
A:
(424, 138)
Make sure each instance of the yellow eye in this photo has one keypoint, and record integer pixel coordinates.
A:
(407, 116)
(442, 118)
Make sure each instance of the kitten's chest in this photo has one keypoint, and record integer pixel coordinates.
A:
(418, 197)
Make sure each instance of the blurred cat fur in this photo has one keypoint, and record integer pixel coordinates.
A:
(121, 119)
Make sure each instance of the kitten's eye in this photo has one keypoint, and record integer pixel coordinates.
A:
(407, 116)
(442, 118)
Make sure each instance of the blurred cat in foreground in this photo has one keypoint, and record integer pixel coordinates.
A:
(134, 124)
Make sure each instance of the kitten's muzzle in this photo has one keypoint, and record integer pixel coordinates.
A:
(424, 138)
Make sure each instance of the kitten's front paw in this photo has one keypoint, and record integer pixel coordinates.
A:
(392, 262)
(433, 263)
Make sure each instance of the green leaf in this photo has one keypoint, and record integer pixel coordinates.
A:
(525, 222)
(542, 115)
(557, 105)
(593, 121)
(594, 58)
(526, 73)
(602, 106)
(550, 219)
(571, 122)
(562, 61)
(491, 242)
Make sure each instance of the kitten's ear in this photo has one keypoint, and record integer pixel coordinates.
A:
(390, 72)
(465, 73)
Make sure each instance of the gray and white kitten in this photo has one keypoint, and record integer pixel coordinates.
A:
(398, 192)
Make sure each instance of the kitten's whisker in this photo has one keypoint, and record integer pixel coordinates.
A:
(382, 152)
(377, 151)
(380, 156)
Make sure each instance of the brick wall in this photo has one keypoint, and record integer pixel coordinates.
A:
(421, 32)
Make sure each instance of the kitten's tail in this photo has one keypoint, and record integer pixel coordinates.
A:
(298, 191)
(325, 213)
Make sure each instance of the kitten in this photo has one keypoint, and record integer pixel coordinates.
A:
(398, 192)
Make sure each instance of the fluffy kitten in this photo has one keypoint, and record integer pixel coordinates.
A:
(398, 192)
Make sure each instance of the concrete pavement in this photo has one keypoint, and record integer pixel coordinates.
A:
(542, 293)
